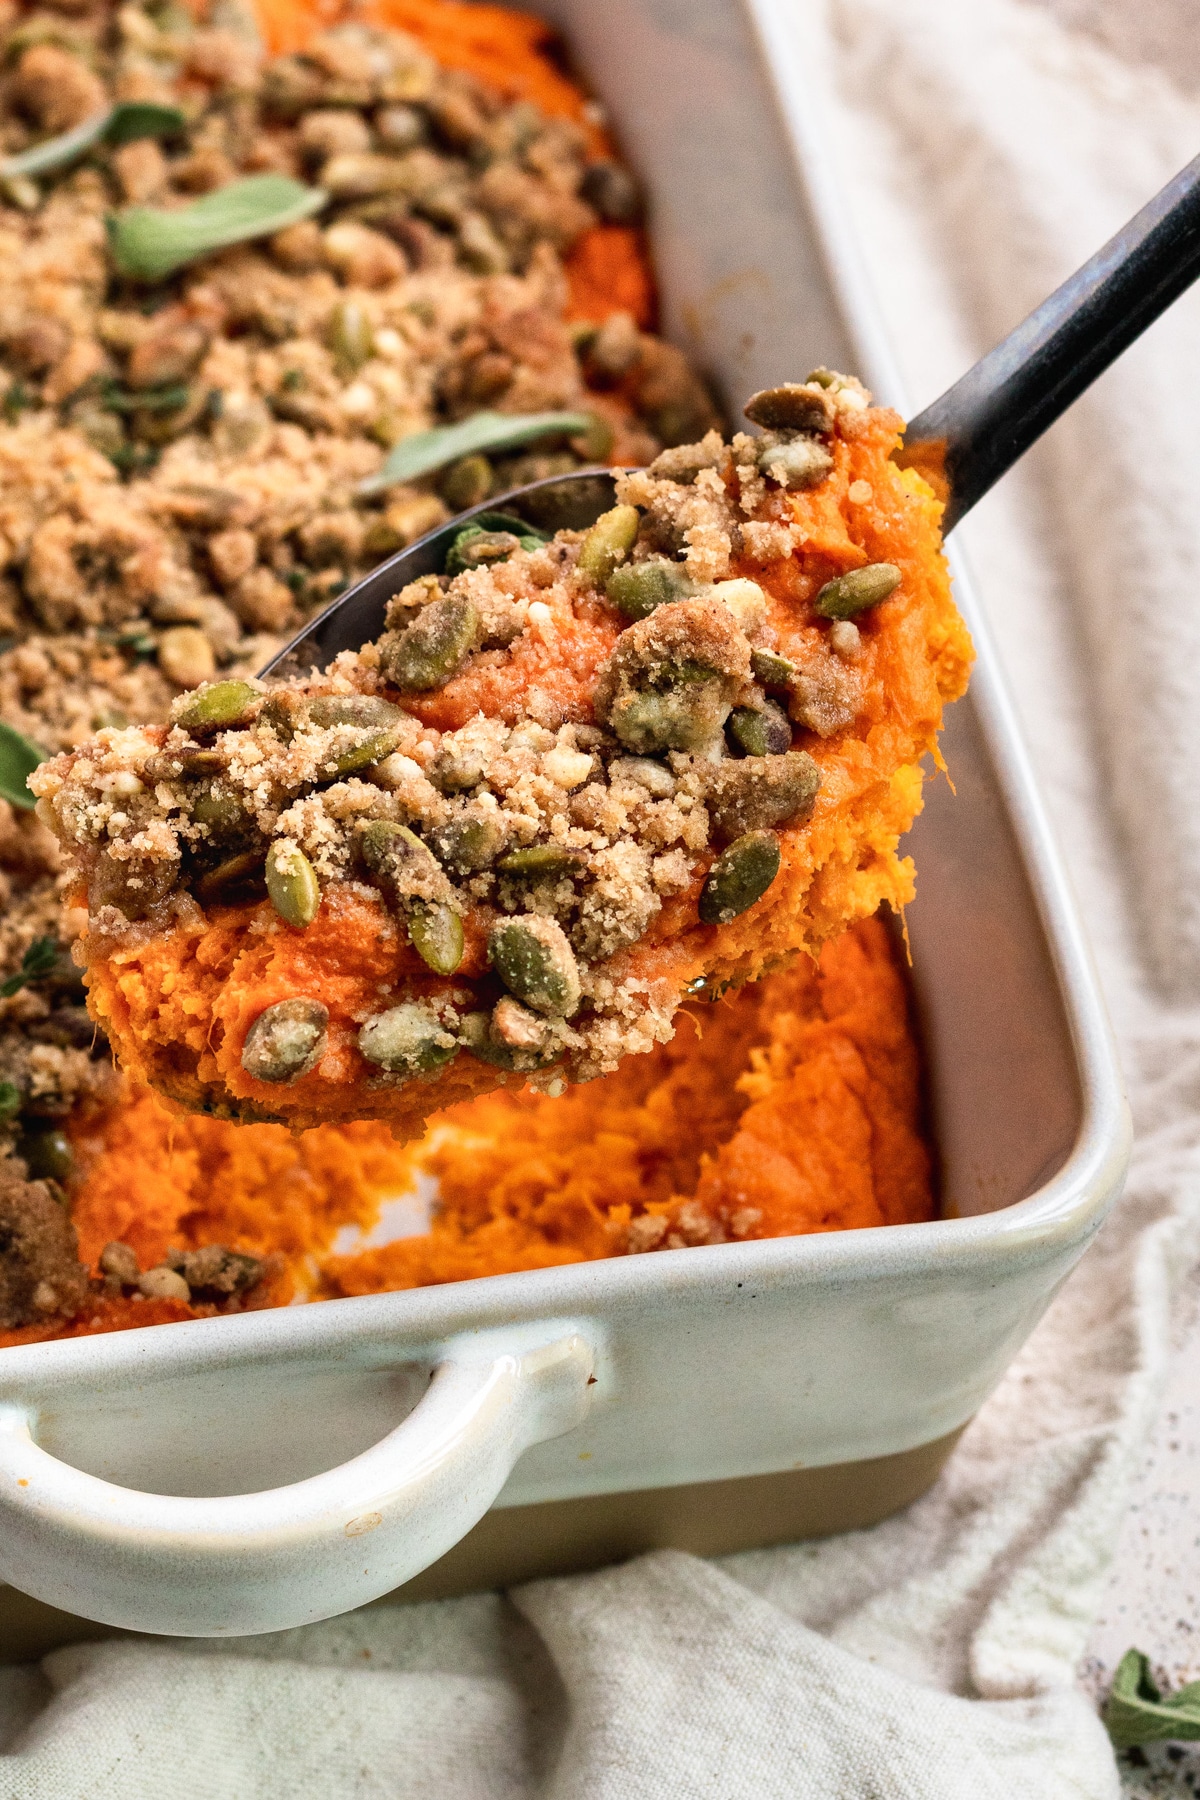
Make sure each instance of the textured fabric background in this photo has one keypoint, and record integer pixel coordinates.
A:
(988, 146)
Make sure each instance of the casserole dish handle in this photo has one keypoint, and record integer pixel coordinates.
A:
(243, 1563)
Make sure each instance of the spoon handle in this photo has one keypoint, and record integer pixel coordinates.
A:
(979, 427)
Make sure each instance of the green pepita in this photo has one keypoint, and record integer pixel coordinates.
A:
(740, 876)
(534, 862)
(852, 593)
(683, 718)
(350, 336)
(790, 407)
(771, 670)
(608, 543)
(535, 962)
(367, 710)
(407, 1039)
(286, 1042)
(436, 934)
(292, 885)
(475, 548)
(760, 731)
(476, 1033)
(800, 464)
(373, 749)
(218, 886)
(47, 1154)
(219, 706)
(466, 482)
(468, 842)
(637, 589)
(430, 650)
(757, 792)
(221, 811)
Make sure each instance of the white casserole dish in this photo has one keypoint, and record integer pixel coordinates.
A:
(244, 1474)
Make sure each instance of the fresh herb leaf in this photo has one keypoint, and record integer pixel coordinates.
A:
(38, 961)
(160, 399)
(11, 1099)
(1136, 1713)
(425, 451)
(18, 758)
(135, 119)
(147, 243)
(119, 125)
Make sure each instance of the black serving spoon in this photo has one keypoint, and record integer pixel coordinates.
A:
(964, 442)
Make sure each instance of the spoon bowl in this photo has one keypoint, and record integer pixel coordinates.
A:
(557, 503)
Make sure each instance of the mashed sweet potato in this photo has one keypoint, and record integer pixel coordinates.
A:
(563, 775)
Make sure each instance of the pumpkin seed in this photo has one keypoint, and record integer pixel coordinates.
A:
(535, 962)
(468, 842)
(213, 888)
(773, 671)
(46, 1153)
(352, 709)
(373, 749)
(637, 589)
(478, 1032)
(474, 548)
(800, 464)
(223, 813)
(466, 482)
(789, 407)
(286, 1041)
(453, 771)
(217, 707)
(475, 1032)
(740, 876)
(852, 593)
(608, 543)
(430, 650)
(535, 861)
(685, 718)
(407, 1039)
(350, 336)
(436, 934)
(293, 886)
(760, 731)
(759, 791)
(658, 782)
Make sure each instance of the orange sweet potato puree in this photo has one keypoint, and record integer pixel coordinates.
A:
(179, 1002)
(791, 1106)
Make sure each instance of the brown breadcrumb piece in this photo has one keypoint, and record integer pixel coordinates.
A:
(40, 1271)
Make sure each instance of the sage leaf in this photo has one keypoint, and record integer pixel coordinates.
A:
(38, 961)
(119, 125)
(18, 758)
(148, 243)
(1136, 1713)
(425, 451)
(11, 1099)
(135, 119)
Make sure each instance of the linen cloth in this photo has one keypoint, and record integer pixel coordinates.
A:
(987, 149)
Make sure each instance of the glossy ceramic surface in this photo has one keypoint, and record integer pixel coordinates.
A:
(365, 1436)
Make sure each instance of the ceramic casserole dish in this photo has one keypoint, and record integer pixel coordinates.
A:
(244, 1474)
